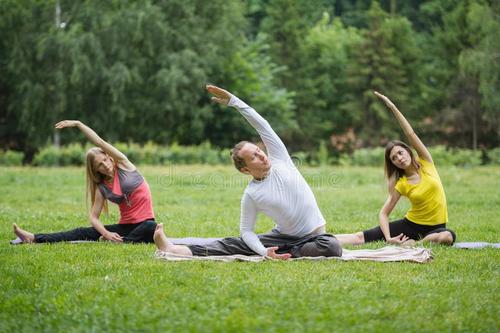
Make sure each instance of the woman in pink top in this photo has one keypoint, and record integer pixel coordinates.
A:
(110, 176)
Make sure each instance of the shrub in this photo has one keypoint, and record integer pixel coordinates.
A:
(73, 154)
(494, 156)
(11, 158)
(345, 160)
(153, 154)
(455, 156)
(368, 157)
(323, 156)
(300, 158)
(133, 151)
(225, 157)
(47, 156)
(440, 154)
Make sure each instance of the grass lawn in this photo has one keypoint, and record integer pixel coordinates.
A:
(103, 287)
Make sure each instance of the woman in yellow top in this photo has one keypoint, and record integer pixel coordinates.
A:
(418, 180)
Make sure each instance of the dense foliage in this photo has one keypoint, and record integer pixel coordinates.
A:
(135, 71)
(174, 154)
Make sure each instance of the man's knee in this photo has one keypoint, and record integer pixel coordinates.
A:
(334, 248)
(322, 247)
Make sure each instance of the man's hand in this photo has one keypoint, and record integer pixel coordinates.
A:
(113, 236)
(399, 239)
(386, 100)
(271, 252)
(221, 96)
(67, 123)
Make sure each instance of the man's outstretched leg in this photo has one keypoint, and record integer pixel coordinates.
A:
(163, 244)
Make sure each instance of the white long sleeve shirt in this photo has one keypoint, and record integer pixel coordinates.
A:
(283, 195)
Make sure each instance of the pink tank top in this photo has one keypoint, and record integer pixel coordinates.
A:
(131, 193)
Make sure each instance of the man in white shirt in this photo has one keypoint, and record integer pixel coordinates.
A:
(278, 190)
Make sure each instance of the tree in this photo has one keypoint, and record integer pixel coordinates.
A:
(481, 61)
(133, 71)
(465, 71)
(386, 60)
(251, 75)
(327, 48)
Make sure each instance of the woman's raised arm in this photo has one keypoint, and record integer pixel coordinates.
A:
(413, 139)
(93, 137)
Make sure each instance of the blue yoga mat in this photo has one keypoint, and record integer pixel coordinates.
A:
(476, 245)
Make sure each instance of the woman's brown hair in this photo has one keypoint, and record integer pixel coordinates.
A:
(390, 168)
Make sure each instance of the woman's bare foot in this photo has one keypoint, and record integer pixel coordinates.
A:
(25, 236)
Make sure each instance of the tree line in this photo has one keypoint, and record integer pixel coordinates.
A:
(136, 71)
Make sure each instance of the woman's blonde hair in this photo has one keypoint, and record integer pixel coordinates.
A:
(94, 178)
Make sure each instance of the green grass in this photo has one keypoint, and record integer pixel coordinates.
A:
(103, 287)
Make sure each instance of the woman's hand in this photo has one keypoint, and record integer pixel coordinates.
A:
(221, 96)
(385, 99)
(113, 236)
(398, 240)
(67, 123)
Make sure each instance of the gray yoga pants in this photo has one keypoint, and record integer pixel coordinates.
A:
(309, 246)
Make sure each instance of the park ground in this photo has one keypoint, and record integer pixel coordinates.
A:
(105, 287)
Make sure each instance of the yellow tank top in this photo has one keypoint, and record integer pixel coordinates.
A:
(427, 198)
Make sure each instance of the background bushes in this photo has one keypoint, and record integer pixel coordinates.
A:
(456, 156)
(149, 154)
(11, 158)
(205, 153)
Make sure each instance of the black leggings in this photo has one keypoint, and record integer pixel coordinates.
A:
(408, 228)
(132, 233)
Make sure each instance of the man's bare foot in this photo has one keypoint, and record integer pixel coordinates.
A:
(160, 239)
(25, 236)
(163, 244)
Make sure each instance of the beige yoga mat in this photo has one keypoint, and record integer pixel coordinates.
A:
(385, 254)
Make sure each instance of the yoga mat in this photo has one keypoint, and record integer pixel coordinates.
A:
(385, 254)
(475, 245)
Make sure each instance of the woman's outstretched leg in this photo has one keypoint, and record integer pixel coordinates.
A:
(351, 239)
(25, 236)
(163, 244)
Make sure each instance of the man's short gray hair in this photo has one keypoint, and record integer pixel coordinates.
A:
(239, 162)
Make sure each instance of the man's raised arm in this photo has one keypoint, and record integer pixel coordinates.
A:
(275, 147)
